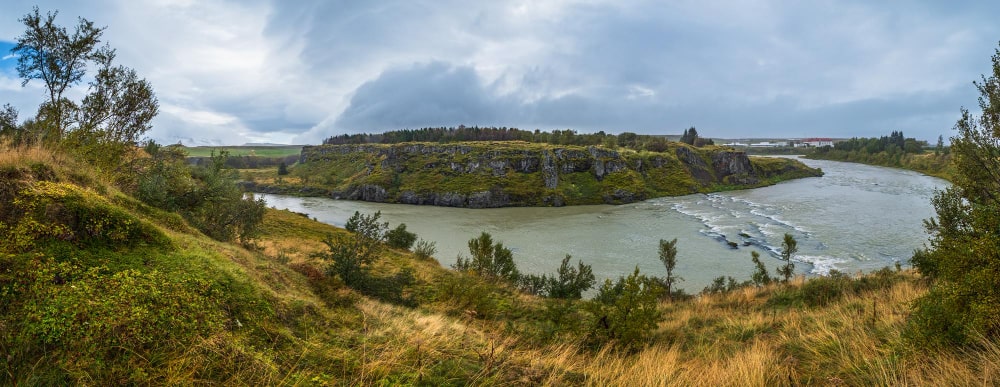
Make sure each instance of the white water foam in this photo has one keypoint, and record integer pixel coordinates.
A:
(822, 264)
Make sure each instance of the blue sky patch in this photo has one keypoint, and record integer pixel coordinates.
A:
(7, 61)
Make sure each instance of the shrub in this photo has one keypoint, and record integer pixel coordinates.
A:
(425, 249)
(490, 260)
(625, 312)
(399, 238)
(48, 211)
(570, 282)
(533, 284)
(368, 226)
(723, 284)
(206, 196)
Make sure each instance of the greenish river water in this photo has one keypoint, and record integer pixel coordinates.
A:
(854, 218)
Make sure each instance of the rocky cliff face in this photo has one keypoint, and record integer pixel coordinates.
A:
(480, 175)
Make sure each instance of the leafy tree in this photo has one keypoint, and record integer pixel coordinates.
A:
(625, 311)
(788, 249)
(206, 196)
(627, 139)
(760, 275)
(368, 225)
(399, 238)
(282, 169)
(218, 207)
(570, 282)
(351, 255)
(668, 255)
(8, 124)
(963, 258)
(940, 145)
(490, 260)
(49, 53)
(119, 109)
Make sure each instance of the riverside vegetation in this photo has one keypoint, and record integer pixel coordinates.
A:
(892, 151)
(151, 271)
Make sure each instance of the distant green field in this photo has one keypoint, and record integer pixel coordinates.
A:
(263, 151)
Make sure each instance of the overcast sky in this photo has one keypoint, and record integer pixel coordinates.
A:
(232, 72)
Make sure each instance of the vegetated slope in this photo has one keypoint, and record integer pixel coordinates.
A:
(97, 288)
(928, 163)
(499, 174)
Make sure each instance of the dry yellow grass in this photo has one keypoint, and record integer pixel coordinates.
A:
(732, 339)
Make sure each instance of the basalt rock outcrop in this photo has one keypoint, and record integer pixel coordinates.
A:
(483, 175)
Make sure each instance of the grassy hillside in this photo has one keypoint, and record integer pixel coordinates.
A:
(98, 288)
(520, 174)
(252, 150)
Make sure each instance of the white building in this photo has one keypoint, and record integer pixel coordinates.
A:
(818, 142)
(767, 144)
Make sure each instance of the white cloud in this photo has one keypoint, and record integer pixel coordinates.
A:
(260, 70)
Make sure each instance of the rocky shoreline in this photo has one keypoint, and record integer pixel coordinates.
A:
(488, 175)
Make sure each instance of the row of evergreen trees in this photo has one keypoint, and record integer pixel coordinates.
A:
(555, 137)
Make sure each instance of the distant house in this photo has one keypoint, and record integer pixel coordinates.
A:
(735, 144)
(767, 144)
(817, 142)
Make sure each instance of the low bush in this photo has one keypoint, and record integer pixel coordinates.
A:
(399, 238)
(625, 312)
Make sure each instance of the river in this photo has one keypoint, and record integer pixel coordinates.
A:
(854, 218)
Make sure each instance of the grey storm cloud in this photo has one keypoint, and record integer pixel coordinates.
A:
(272, 71)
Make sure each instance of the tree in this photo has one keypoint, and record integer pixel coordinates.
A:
(690, 136)
(940, 145)
(118, 110)
(8, 124)
(48, 52)
(570, 282)
(490, 260)
(627, 139)
(368, 226)
(668, 255)
(963, 258)
(788, 249)
(760, 275)
(282, 169)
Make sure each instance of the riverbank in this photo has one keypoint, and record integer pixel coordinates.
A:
(932, 164)
(517, 174)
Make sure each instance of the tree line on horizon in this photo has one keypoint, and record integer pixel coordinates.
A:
(556, 137)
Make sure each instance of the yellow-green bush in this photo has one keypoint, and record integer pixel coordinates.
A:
(59, 211)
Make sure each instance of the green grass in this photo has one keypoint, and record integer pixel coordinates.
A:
(142, 303)
(261, 151)
(468, 168)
